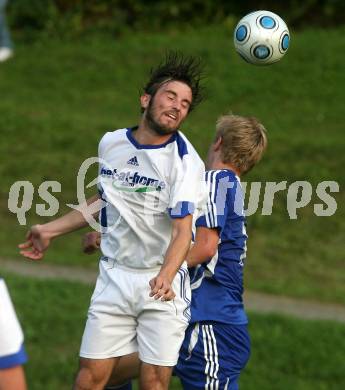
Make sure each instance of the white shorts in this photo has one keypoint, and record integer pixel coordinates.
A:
(12, 351)
(123, 318)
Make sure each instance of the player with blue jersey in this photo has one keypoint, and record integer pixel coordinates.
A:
(12, 351)
(217, 346)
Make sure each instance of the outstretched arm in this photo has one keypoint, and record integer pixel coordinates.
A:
(39, 237)
(204, 247)
(175, 255)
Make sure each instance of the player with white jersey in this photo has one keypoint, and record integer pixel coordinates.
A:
(144, 187)
(150, 183)
(12, 351)
(217, 345)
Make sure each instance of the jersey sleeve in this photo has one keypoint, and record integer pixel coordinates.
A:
(220, 198)
(101, 159)
(187, 190)
(102, 166)
(102, 145)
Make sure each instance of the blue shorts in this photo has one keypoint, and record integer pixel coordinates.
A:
(212, 356)
(15, 359)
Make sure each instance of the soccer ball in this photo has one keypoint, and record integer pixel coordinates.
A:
(261, 38)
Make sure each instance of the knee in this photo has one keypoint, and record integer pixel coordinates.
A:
(88, 379)
(84, 379)
(155, 377)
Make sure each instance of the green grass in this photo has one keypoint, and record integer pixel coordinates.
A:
(58, 98)
(52, 315)
(286, 353)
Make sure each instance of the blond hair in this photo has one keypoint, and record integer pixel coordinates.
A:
(244, 140)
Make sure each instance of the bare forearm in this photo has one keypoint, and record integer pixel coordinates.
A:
(71, 221)
(176, 254)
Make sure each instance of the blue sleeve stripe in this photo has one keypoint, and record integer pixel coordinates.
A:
(181, 145)
(16, 359)
(207, 217)
(207, 179)
(207, 174)
(213, 198)
(217, 193)
(209, 205)
(211, 215)
(182, 209)
(104, 219)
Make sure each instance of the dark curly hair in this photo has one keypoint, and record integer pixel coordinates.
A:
(177, 67)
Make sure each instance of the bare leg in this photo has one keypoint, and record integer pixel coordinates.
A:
(127, 368)
(93, 374)
(12, 379)
(154, 377)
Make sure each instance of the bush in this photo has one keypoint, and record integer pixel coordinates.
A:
(77, 16)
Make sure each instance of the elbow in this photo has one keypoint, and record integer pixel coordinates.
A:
(210, 251)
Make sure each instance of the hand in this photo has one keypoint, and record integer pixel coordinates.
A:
(91, 242)
(161, 288)
(36, 244)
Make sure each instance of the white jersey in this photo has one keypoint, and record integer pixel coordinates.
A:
(11, 335)
(144, 187)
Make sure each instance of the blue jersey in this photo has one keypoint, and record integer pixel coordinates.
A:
(217, 285)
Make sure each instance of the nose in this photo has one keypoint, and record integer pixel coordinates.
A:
(177, 105)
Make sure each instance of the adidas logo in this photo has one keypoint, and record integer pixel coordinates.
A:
(133, 161)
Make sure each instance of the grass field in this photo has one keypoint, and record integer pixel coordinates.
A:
(58, 97)
(286, 353)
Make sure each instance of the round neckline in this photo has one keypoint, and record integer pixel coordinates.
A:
(136, 144)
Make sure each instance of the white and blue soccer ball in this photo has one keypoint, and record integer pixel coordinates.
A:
(261, 38)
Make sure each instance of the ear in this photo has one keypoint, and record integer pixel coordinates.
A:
(217, 145)
(145, 100)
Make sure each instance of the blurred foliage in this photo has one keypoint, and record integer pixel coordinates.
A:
(76, 16)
